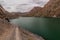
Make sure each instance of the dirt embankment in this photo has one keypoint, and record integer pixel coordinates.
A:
(10, 31)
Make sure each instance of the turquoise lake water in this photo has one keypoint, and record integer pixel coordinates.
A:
(48, 28)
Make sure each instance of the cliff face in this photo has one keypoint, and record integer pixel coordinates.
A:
(52, 8)
(2, 12)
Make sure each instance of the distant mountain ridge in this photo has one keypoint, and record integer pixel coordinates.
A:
(35, 12)
(51, 9)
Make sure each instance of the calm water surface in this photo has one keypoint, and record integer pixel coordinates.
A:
(48, 28)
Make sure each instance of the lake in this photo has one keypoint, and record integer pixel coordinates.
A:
(48, 28)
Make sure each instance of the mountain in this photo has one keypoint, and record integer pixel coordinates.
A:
(51, 9)
(36, 11)
(8, 15)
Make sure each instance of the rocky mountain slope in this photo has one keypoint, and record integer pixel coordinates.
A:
(51, 9)
(36, 11)
(5, 14)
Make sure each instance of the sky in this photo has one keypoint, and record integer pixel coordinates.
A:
(22, 5)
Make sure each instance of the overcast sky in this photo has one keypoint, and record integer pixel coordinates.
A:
(22, 5)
